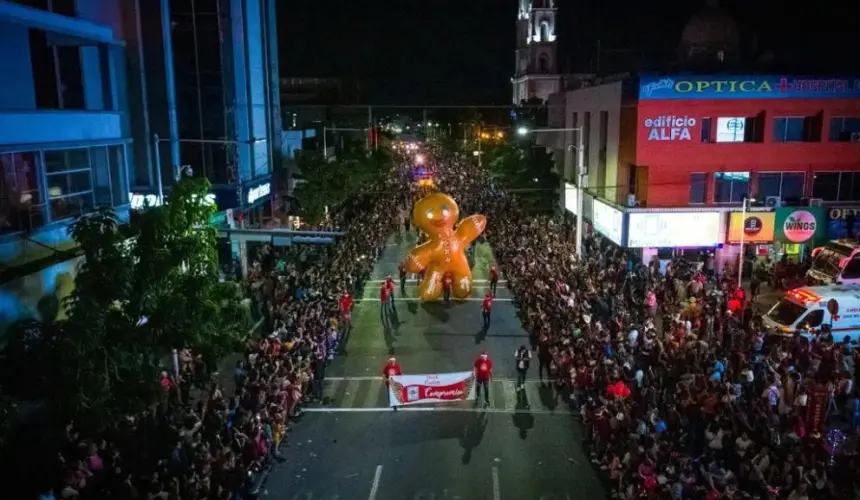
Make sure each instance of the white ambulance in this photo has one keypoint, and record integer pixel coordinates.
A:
(807, 309)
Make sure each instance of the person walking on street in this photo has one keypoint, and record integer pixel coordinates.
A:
(346, 304)
(486, 307)
(494, 279)
(319, 366)
(447, 284)
(391, 369)
(402, 270)
(389, 284)
(544, 358)
(384, 297)
(523, 357)
(483, 375)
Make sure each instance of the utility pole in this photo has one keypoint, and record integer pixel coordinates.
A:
(369, 126)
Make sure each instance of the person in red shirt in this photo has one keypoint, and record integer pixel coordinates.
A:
(447, 285)
(346, 304)
(494, 279)
(384, 297)
(486, 307)
(389, 285)
(483, 375)
(391, 369)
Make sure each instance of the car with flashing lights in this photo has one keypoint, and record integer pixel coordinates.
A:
(835, 263)
(806, 310)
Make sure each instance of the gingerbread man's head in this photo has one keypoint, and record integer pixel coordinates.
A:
(436, 214)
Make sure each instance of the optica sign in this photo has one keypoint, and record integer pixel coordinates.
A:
(799, 225)
(747, 87)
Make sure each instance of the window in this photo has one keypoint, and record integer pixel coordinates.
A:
(786, 186)
(706, 130)
(544, 31)
(70, 183)
(788, 129)
(543, 64)
(731, 187)
(836, 186)
(844, 129)
(21, 204)
(57, 73)
(698, 188)
(118, 175)
(731, 129)
(586, 136)
(64, 7)
(851, 270)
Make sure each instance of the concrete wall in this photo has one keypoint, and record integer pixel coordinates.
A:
(594, 100)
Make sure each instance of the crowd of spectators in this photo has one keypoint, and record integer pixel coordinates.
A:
(215, 443)
(712, 406)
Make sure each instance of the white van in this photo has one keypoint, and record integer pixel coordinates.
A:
(807, 309)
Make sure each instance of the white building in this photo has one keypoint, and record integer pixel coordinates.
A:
(536, 72)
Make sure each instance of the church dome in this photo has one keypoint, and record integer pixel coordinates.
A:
(710, 29)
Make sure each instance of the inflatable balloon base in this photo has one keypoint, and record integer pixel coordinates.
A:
(445, 252)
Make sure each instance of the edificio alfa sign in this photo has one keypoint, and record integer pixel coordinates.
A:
(257, 192)
(670, 128)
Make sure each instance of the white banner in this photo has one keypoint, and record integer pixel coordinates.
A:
(433, 388)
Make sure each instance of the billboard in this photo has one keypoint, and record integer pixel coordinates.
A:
(800, 224)
(747, 87)
(608, 221)
(756, 227)
(570, 198)
(673, 229)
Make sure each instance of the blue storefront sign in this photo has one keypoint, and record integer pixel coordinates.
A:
(747, 87)
(842, 222)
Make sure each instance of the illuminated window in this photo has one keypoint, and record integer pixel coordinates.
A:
(70, 189)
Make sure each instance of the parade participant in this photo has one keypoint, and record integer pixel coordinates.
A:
(486, 307)
(447, 284)
(391, 369)
(494, 279)
(384, 298)
(523, 357)
(402, 270)
(346, 305)
(483, 375)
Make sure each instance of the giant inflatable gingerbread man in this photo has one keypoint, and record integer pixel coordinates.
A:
(436, 215)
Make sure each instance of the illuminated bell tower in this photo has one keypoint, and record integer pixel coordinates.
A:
(536, 73)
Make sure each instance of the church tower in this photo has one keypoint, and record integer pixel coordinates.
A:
(536, 73)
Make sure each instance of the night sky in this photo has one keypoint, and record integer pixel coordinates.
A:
(462, 51)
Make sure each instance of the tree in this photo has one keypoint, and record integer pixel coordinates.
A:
(142, 290)
(530, 173)
(328, 184)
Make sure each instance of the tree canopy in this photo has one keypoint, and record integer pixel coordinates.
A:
(142, 290)
(329, 184)
(528, 172)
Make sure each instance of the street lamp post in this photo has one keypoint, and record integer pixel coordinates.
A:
(580, 172)
(741, 256)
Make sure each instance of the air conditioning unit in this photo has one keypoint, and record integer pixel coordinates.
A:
(855, 137)
(815, 202)
(772, 201)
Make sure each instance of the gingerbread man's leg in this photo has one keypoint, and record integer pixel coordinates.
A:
(462, 282)
(431, 287)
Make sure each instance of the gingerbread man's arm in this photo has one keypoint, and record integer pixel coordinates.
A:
(470, 228)
(419, 257)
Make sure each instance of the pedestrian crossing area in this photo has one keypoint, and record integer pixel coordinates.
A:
(371, 394)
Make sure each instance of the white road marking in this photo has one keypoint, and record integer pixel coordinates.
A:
(414, 299)
(432, 409)
(497, 493)
(501, 282)
(374, 487)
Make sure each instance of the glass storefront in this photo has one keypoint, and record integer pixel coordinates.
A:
(44, 186)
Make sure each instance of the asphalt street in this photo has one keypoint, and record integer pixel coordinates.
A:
(522, 446)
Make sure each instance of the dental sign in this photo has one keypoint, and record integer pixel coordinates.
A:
(140, 201)
(257, 192)
(747, 87)
(670, 128)
(673, 229)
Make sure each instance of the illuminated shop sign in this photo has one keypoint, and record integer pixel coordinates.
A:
(140, 201)
(673, 229)
(570, 198)
(747, 87)
(608, 221)
(257, 192)
(731, 129)
(670, 128)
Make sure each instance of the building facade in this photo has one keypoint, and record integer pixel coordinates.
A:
(65, 139)
(691, 150)
(206, 81)
(536, 73)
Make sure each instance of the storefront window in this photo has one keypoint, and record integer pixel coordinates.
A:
(70, 182)
(118, 175)
(21, 205)
(731, 187)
